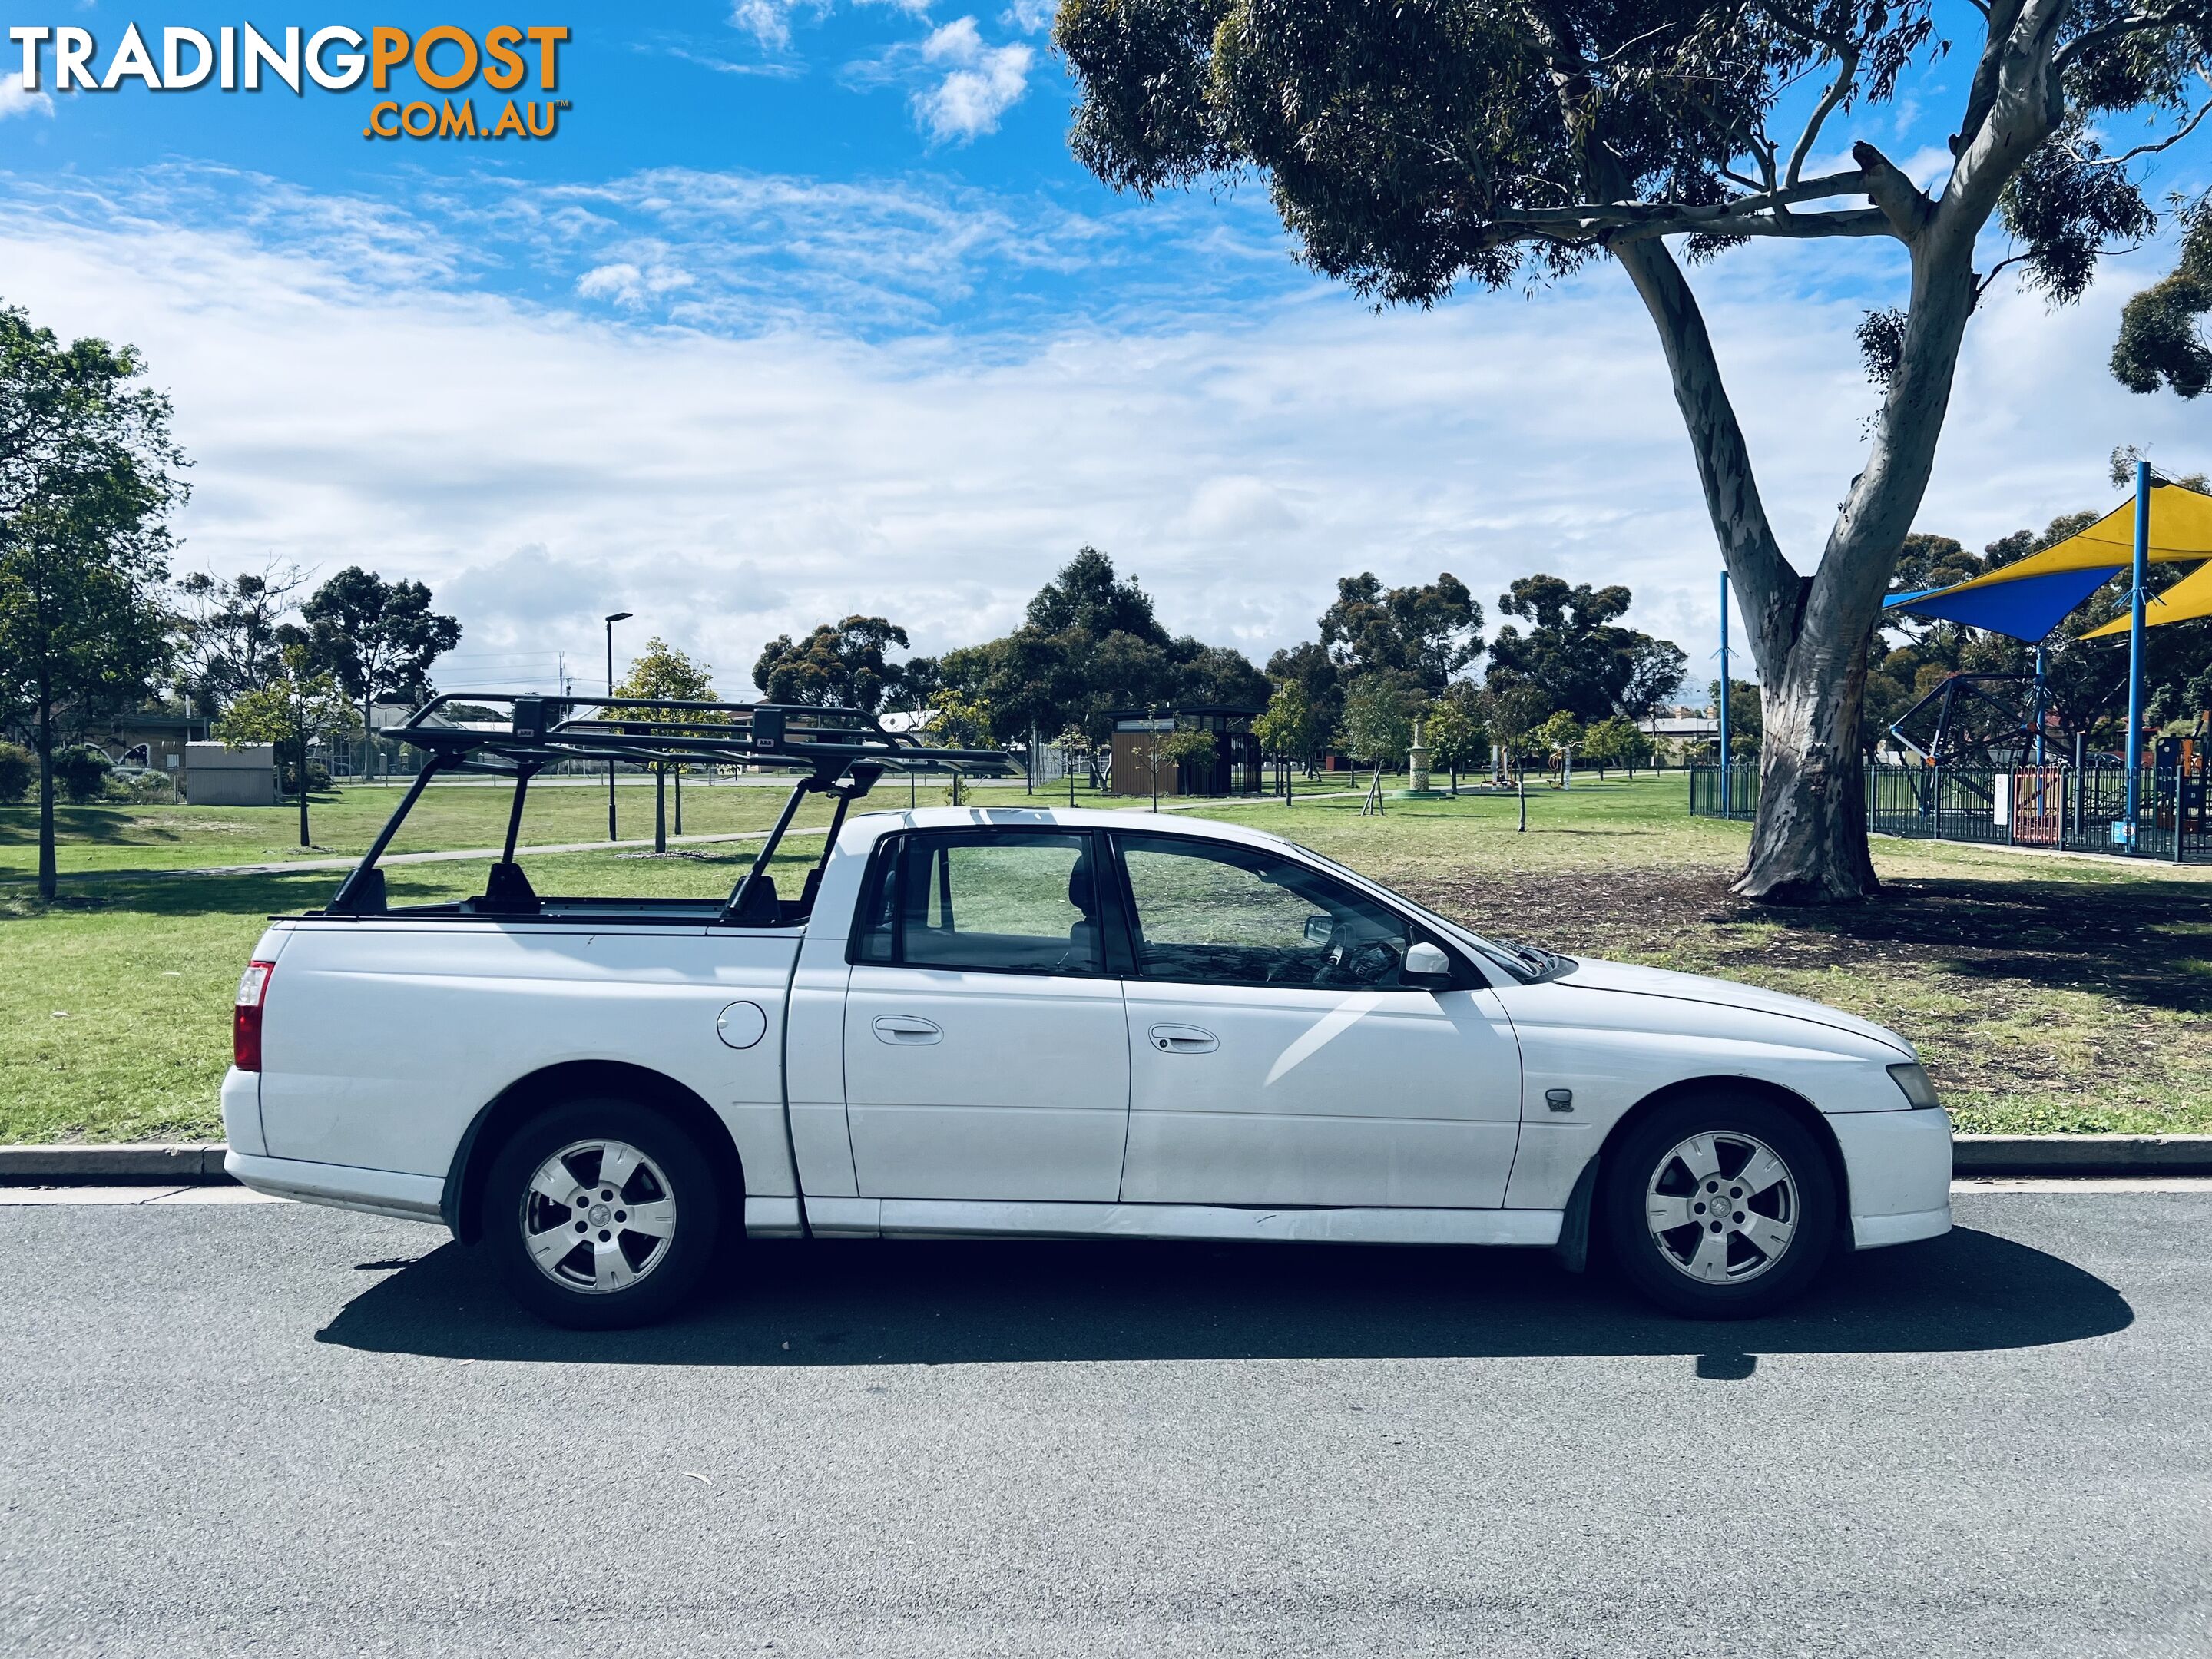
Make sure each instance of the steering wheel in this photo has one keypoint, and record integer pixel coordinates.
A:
(1360, 963)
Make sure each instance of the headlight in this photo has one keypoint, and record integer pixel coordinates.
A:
(1912, 1079)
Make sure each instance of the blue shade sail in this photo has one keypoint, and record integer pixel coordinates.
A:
(2027, 609)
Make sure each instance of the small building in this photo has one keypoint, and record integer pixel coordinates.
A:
(244, 776)
(1236, 766)
(150, 739)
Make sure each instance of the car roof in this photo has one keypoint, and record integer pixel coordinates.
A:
(873, 825)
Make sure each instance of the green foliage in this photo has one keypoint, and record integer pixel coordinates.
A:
(88, 476)
(1089, 644)
(81, 771)
(231, 633)
(1452, 737)
(1576, 653)
(19, 771)
(1559, 730)
(963, 720)
(1419, 636)
(1293, 726)
(2161, 341)
(1378, 721)
(1511, 708)
(1187, 748)
(1321, 686)
(376, 639)
(1616, 741)
(293, 711)
(839, 665)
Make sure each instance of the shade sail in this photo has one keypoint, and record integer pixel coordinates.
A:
(2029, 597)
(2027, 609)
(2186, 600)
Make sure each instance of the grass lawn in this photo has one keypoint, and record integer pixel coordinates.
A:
(2047, 993)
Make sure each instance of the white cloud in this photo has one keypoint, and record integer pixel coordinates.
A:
(982, 85)
(630, 286)
(14, 101)
(541, 466)
(1030, 17)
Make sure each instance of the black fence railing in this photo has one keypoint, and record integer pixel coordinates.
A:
(2064, 808)
(1734, 796)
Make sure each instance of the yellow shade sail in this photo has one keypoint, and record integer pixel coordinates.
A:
(2180, 532)
(2186, 600)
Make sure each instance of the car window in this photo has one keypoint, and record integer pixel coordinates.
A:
(1241, 915)
(1009, 901)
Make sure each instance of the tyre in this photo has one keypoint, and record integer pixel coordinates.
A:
(601, 1213)
(1720, 1208)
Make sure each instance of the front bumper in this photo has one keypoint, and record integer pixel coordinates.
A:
(1898, 1167)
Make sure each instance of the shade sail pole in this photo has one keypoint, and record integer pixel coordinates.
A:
(2135, 645)
(1728, 806)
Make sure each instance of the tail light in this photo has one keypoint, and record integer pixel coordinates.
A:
(245, 1016)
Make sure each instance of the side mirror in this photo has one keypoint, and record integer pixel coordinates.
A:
(1426, 965)
(1320, 929)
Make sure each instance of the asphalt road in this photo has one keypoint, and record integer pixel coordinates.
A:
(265, 1428)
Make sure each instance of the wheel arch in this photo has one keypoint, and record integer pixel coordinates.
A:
(526, 1096)
(1576, 1226)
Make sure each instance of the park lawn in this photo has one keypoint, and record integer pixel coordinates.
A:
(108, 839)
(2046, 993)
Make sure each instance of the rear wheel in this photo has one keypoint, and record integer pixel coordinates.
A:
(1720, 1208)
(601, 1213)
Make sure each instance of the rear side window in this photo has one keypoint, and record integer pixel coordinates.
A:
(1020, 902)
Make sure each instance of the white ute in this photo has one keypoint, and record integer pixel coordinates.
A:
(983, 1021)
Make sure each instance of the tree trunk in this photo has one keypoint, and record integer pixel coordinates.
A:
(49, 877)
(660, 809)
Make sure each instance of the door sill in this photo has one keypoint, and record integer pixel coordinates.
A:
(935, 1217)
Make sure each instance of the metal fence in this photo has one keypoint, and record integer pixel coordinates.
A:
(2065, 808)
(1740, 789)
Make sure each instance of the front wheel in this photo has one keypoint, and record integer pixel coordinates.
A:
(601, 1214)
(1720, 1208)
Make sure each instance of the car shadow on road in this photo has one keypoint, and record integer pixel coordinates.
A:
(945, 1303)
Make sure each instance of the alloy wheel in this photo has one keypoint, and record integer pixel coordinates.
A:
(1721, 1208)
(598, 1216)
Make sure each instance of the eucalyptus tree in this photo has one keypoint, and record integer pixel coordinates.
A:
(1415, 145)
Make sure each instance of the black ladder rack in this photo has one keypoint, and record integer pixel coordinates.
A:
(839, 752)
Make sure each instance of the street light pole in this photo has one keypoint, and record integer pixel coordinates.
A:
(619, 615)
(2138, 580)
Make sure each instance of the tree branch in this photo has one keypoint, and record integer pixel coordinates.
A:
(1903, 202)
(1847, 71)
(2136, 23)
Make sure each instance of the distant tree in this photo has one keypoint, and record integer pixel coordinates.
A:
(1576, 652)
(1617, 740)
(377, 639)
(292, 711)
(1087, 597)
(2161, 341)
(88, 476)
(81, 771)
(1560, 733)
(19, 771)
(1091, 644)
(1292, 726)
(1419, 636)
(228, 631)
(1453, 736)
(1747, 721)
(1511, 707)
(1378, 721)
(1308, 666)
(839, 665)
(660, 671)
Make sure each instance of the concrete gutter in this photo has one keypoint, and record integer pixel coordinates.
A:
(189, 1163)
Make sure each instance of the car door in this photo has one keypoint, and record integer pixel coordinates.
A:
(1277, 1055)
(985, 1054)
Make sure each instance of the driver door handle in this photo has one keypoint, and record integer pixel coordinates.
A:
(1183, 1040)
(906, 1030)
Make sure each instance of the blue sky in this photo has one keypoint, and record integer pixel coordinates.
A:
(807, 310)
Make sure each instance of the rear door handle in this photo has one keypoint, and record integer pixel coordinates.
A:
(1183, 1040)
(907, 1029)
